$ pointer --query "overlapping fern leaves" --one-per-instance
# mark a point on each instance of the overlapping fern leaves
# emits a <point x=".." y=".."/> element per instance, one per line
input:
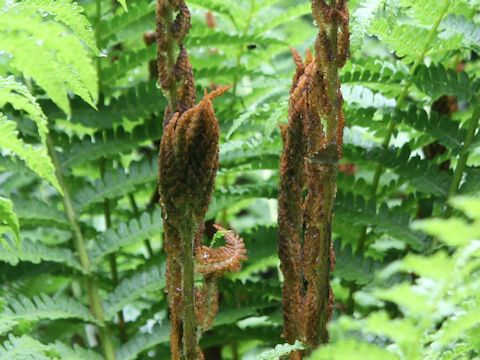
<point x="51" y="69"/>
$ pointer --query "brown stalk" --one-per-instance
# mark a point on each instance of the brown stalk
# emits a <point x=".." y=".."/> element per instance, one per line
<point x="313" y="141"/>
<point x="188" y="162"/>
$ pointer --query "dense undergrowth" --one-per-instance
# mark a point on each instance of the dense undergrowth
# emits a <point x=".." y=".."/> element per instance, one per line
<point x="80" y="124"/>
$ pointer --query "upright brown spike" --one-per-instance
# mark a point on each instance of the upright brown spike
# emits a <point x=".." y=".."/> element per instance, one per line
<point x="188" y="162"/>
<point x="312" y="147"/>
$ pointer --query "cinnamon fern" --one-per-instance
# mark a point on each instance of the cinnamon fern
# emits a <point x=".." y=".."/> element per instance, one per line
<point x="107" y="252"/>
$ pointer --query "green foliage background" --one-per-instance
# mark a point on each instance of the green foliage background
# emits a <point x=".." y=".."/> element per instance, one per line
<point x="80" y="124"/>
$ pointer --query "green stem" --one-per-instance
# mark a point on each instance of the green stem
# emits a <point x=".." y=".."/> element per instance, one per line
<point x="462" y="160"/>
<point x="98" y="20"/>
<point x="392" y="125"/>
<point x="242" y="47"/>
<point x="189" y="321"/>
<point x="113" y="257"/>
<point x="79" y="243"/>
<point x="136" y="213"/>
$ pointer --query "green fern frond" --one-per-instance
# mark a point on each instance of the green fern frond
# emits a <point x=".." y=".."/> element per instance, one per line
<point x="133" y="104"/>
<point x="250" y="154"/>
<point x="33" y="212"/>
<point x="344" y="348"/>
<point x="436" y="80"/>
<point x="112" y="26"/>
<point x="363" y="15"/>
<point x="364" y="117"/>
<point x="424" y="175"/>
<point x="36" y="252"/>
<point x="111" y="142"/>
<point x="407" y="41"/>
<point x="291" y="13"/>
<point x="36" y="158"/>
<point x="440" y="127"/>
<point x="458" y="25"/>
<point x="224" y="197"/>
<point x="424" y="11"/>
<point x="281" y="351"/>
<point x="18" y="95"/>
<point x="219" y="6"/>
<point x="124" y="4"/>
<point x="74" y="353"/>
<point x="24" y="348"/>
<point x="9" y="218"/>
<point x="126" y="62"/>
<point x="256" y="109"/>
<point x="66" y="11"/>
<point x="352" y="266"/>
<point x="228" y="72"/>
<point x="145" y="227"/>
<point x="142" y="341"/>
<point x="471" y="186"/>
<point x="359" y="186"/>
<point x="362" y="96"/>
<point x="56" y="61"/>
<point x="392" y="221"/>
<point x="377" y="74"/>
<point x="217" y="38"/>
<point x="27" y="348"/>
<point x="45" y="307"/>
<point x="130" y="289"/>
<point x="117" y="183"/>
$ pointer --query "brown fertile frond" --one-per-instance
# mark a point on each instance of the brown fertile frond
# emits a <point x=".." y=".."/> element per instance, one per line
<point x="292" y="184"/>
<point x="312" y="146"/>
<point x="184" y="75"/>
<point x="182" y="24"/>
<point x="217" y="261"/>
<point x="175" y="72"/>
<point x="206" y="304"/>
<point x="297" y="58"/>
<point x="189" y="158"/>
<point x="331" y="49"/>
<point x="188" y="162"/>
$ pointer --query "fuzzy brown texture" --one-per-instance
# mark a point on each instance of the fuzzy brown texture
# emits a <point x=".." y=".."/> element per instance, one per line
<point x="188" y="162"/>
<point x="173" y="21"/>
<point x="313" y="141"/>
<point x="217" y="261"/>
<point x="212" y="263"/>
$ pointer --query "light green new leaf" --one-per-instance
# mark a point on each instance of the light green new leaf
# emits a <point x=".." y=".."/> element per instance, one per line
<point x="36" y="158"/>
<point x="67" y="12"/>
<point x="280" y="351"/>
<point x="124" y="4"/>
<point x="56" y="60"/>
<point x="455" y="328"/>
<point x="470" y="206"/>
<point x="453" y="232"/>
<point x="18" y="95"/>
<point x="413" y="302"/>
<point x="352" y="349"/>
<point x="8" y="217"/>
<point x="361" y="19"/>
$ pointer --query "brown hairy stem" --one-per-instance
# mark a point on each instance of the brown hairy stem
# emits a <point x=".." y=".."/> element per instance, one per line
<point x="313" y="141"/>
<point x="188" y="162"/>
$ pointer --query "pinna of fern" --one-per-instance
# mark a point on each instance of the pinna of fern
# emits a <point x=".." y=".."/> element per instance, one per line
<point x="309" y="167"/>
<point x="188" y="162"/>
